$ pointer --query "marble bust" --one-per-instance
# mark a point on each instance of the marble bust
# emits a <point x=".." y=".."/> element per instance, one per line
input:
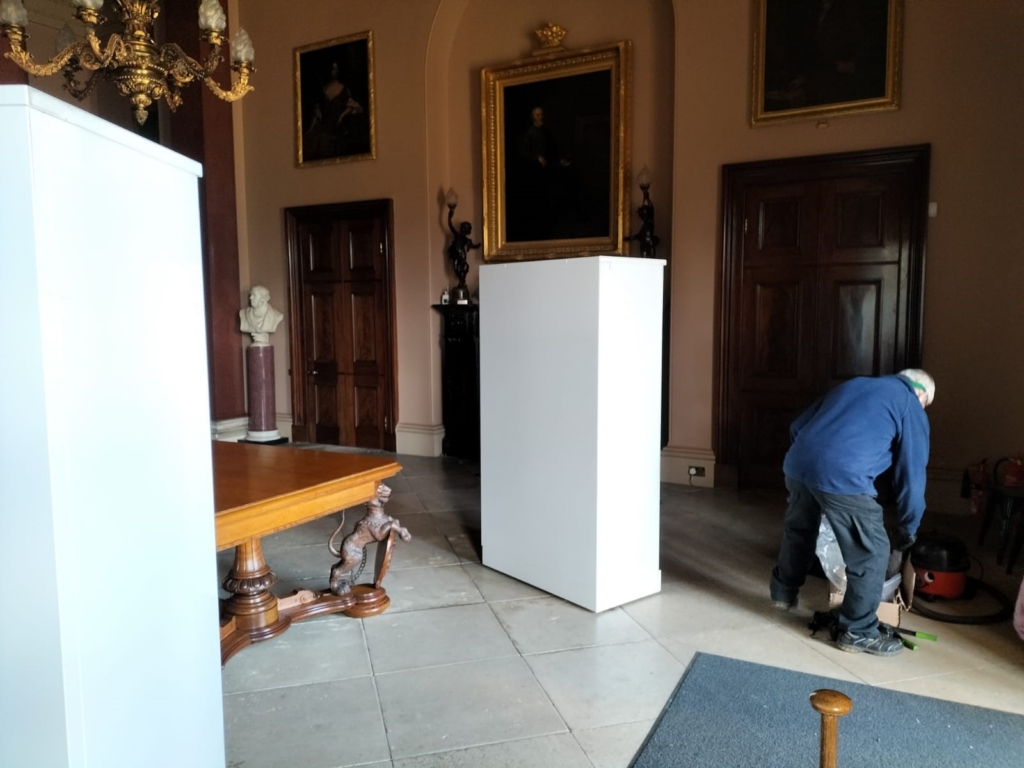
<point x="259" y="318"/>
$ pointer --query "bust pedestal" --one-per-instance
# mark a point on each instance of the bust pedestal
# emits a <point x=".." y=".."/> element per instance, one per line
<point x="259" y="359"/>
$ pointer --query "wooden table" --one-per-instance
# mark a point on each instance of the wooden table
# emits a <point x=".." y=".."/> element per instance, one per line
<point x="259" y="490"/>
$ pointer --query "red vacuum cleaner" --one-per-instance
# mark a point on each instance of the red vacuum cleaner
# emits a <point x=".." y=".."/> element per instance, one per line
<point x="941" y="563"/>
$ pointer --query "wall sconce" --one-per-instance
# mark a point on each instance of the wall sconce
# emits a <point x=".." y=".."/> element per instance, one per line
<point x="140" y="69"/>
<point x="646" y="237"/>
<point x="458" y="250"/>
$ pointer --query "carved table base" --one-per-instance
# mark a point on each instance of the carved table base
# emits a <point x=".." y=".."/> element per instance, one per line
<point x="364" y="600"/>
<point x="253" y="613"/>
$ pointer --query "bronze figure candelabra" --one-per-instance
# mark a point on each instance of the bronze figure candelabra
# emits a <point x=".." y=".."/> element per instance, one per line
<point x="459" y="249"/>
<point x="646" y="237"/>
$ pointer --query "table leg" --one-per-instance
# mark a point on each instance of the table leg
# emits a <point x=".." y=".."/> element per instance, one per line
<point x="252" y="613"/>
<point x="251" y="608"/>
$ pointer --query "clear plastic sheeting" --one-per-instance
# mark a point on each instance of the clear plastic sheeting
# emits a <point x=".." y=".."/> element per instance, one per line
<point x="831" y="557"/>
<point x="827" y="550"/>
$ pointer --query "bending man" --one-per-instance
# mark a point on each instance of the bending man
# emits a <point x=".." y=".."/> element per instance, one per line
<point x="840" y="445"/>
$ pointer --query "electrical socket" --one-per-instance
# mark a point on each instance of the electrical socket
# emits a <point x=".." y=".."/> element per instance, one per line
<point x="696" y="471"/>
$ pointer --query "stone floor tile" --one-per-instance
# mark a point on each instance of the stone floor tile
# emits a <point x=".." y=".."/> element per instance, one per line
<point x="613" y="746"/>
<point x="496" y="586"/>
<point x="399" y="641"/>
<point x="325" y="725"/>
<point x="549" y="623"/>
<point x="558" y="751"/>
<point x="308" y="652"/>
<point x="416" y="589"/>
<point x="447" y="708"/>
<point x="608" y="684"/>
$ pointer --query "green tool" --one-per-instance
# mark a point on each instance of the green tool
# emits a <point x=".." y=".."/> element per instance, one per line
<point x="921" y="635"/>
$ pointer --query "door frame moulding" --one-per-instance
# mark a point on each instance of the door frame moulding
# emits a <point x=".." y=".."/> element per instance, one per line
<point x="297" y="358"/>
<point x="737" y="176"/>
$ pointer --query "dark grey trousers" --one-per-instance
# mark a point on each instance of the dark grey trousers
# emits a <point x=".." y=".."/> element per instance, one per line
<point x="860" y="533"/>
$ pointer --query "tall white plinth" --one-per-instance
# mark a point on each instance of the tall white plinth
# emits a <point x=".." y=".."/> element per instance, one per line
<point x="109" y="654"/>
<point x="570" y="417"/>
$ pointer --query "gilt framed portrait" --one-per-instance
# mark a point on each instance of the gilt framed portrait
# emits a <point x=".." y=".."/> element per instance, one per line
<point x="556" y="154"/>
<point x="821" y="58"/>
<point x="334" y="101"/>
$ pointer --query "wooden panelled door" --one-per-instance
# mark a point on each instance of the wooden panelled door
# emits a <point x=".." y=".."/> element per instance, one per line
<point x="342" y="324"/>
<point x="822" y="277"/>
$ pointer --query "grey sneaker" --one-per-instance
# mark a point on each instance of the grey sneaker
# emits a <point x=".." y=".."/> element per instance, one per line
<point x="784" y="605"/>
<point x="883" y="645"/>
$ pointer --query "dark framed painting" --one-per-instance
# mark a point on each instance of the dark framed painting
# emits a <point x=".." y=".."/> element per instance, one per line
<point x="556" y="154"/>
<point x="334" y="101"/>
<point x="824" y="58"/>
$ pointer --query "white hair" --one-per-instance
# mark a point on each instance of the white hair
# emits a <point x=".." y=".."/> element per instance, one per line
<point x="923" y="380"/>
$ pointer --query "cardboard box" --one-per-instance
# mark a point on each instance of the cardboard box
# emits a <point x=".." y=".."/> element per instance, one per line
<point x="889" y="612"/>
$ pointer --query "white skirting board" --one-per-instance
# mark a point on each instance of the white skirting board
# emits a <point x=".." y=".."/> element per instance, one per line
<point x="570" y="401"/>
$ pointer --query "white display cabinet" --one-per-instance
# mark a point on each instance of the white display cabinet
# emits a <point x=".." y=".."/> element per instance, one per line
<point x="109" y="654"/>
<point x="570" y="413"/>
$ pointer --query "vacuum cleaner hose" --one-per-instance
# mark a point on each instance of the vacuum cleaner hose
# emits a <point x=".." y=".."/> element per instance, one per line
<point x="1004" y="612"/>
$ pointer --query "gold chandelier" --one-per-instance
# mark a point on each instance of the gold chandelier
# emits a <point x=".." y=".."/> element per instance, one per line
<point x="141" y="70"/>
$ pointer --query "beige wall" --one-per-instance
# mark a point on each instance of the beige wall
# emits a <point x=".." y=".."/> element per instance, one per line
<point x="963" y="68"/>
<point x="496" y="33"/>
<point x="272" y="182"/>
<point x="962" y="75"/>
<point x="428" y="57"/>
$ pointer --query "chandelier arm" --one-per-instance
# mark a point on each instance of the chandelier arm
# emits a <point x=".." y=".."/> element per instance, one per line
<point x="183" y="68"/>
<point x="80" y="92"/>
<point x="142" y="71"/>
<point x="96" y="58"/>
<point x="213" y="60"/>
<point x="23" y="58"/>
<point x="238" y="89"/>
<point x="173" y="98"/>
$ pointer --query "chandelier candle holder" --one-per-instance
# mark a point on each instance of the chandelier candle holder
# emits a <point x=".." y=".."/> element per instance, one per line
<point x="142" y="71"/>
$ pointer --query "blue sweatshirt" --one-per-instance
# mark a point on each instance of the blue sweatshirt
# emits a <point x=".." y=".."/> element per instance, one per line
<point x="856" y="432"/>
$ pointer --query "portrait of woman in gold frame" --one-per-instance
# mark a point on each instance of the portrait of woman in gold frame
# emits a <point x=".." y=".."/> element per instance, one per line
<point x="815" y="59"/>
<point x="335" y="101"/>
<point x="556" y="154"/>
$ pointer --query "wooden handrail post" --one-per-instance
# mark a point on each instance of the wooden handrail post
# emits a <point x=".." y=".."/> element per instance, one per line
<point x="832" y="705"/>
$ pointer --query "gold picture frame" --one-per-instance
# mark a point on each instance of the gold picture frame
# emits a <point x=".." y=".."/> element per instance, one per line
<point x="335" y="102"/>
<point x="814" y="60"/>
<point x="557" y="186"/>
